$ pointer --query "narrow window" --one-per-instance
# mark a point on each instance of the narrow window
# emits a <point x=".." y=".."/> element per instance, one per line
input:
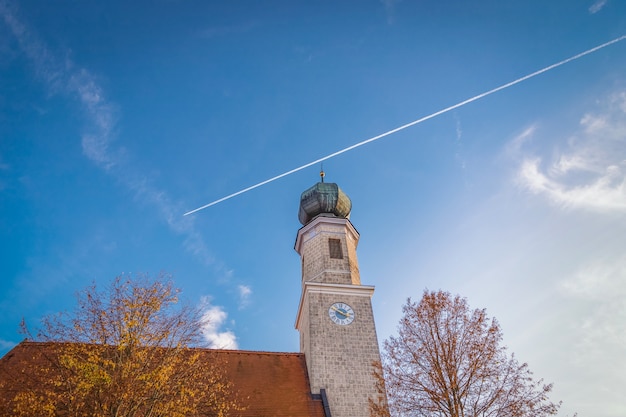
<point x="334" y="246"/>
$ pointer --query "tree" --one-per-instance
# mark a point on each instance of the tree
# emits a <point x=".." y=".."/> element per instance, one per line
<point x="447" y="361"/>
<point x="128" y="351"/>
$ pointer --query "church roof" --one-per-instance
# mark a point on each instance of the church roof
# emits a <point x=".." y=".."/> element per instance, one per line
<point x="267" y="383"/>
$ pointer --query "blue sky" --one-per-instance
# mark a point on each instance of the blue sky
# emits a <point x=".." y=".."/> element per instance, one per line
<point x="118" y="117"/>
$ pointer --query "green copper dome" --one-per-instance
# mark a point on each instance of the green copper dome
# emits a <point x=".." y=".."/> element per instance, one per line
<point x="323" y="198"/>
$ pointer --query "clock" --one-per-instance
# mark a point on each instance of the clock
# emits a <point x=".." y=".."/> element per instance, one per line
<point x="341" y="313"/>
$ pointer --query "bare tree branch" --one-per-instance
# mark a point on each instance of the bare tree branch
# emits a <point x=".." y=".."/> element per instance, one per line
<point x="447" y="361"/>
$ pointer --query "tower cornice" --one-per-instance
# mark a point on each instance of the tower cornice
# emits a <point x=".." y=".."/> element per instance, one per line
<point x="303" y="232"/>
<point x="335" y="289"/>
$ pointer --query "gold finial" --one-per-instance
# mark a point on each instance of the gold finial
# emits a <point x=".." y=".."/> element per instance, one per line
<point x="322" y="172"/>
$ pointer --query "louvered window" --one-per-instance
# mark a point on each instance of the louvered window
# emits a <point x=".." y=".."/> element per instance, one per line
<point x="334" y="246"/>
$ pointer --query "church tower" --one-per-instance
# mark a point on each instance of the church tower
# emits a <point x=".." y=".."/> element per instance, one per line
<point x="335" y="319"/>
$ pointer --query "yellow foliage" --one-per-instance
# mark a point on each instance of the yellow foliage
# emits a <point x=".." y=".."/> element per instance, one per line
<point x="127" y="352"/>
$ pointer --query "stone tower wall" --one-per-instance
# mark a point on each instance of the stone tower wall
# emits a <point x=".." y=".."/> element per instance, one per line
<point x="313" y="246"/>
<point x="339" y="357"/>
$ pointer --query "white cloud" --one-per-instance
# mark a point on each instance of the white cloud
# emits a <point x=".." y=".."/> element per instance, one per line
<point x="213" y="319"/>
<point x="607" y="192"/>
<point x="591" y="172"/>
<point x="597" y="6"/>
<point x="585" y="321"/>
<point x="244" y="295"/>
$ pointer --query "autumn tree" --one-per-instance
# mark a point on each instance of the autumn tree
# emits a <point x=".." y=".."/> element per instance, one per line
<point x="130" y="351"/>
<point x="448" y="361"/>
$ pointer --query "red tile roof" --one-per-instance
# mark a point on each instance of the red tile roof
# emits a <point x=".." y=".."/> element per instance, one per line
<point x="267" y="383"/>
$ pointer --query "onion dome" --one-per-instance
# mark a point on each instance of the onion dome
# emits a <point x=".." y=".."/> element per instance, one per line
<point x="324" y="199"/>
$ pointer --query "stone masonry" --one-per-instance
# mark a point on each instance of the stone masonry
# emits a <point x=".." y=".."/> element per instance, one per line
<point x="339" y="357"/>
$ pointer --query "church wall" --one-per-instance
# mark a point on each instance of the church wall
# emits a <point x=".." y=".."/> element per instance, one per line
<point x="316" y="257"/>
<point x="340" y="357"/>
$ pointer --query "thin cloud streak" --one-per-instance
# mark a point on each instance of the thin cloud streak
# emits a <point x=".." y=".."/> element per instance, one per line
<point x="390" y="9"/>
<point x="514" y="148"/>
<point x="245" y="292"/>
<point x="458" y="154"/>
<point x="47" y="67"/>
<point x="413" y="123"/>
<point x="597" y="6"/>
<point x="63" y="77"/>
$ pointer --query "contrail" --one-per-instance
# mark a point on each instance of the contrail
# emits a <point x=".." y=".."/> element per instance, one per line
<point x="423" y="119"/>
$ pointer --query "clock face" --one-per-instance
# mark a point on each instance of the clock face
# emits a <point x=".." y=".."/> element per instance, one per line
<point x="341" y="314"/>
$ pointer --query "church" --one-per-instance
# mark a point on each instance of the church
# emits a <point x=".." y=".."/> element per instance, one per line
<point x="333" y="374"/>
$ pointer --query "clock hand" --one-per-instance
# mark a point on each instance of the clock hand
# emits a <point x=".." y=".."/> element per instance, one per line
<point x="343" y="313"/>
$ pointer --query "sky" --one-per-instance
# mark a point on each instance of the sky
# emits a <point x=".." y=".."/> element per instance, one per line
<point x="118" y="117"/>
